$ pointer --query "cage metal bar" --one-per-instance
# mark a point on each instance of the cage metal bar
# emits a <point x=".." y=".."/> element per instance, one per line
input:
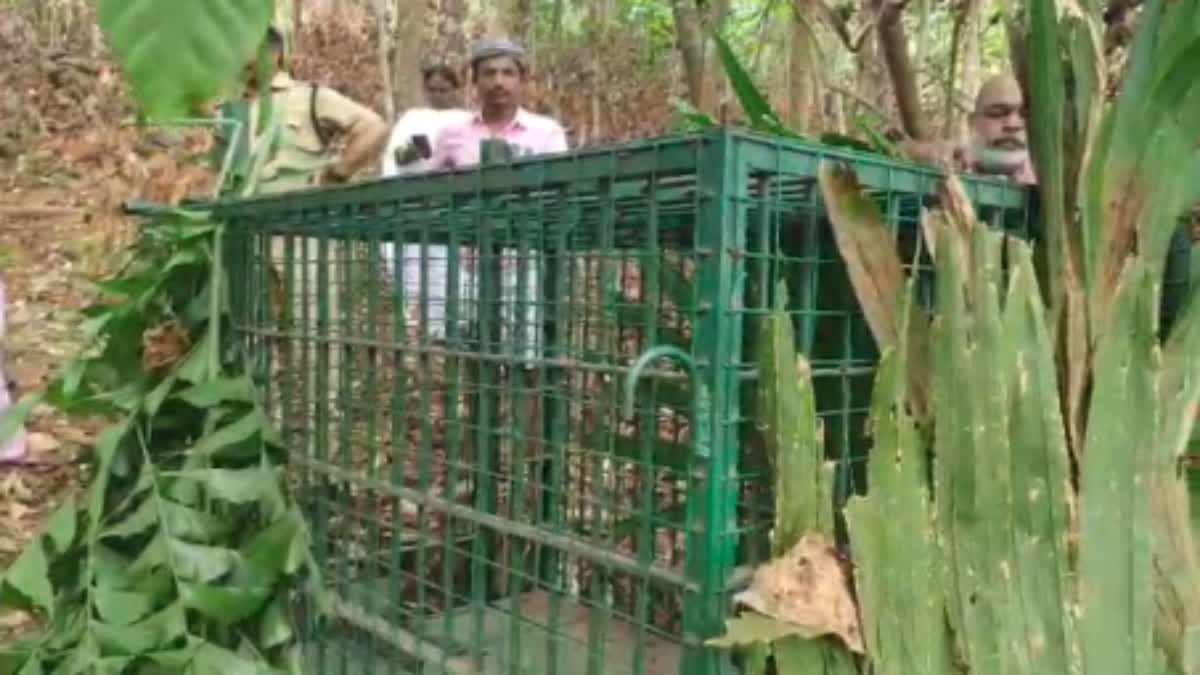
<point x="625" y="530"/>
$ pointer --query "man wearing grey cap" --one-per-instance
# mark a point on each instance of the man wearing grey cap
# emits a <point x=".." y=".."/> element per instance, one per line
<point x="499" y="71"/>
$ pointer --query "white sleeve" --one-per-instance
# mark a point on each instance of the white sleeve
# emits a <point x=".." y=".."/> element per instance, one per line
<point x="558" y="140"/>
<point x="397" y="140"/>
<point x="401" y="132"/>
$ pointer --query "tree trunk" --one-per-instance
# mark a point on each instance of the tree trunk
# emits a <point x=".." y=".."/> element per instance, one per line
<point x="521" y="21"/>
<point x="405" y="55"/>
<point x="556" y="22"/>
<point x="691" y="49"/>
<point x="383" y="20"/>
<point x="801" y="70"/>
<point x="449" y="34"/>
<point x="893" y="45"/>
<point x="971" y="60"/>
<point x="870" y="84"/>
<point x="713" y="21"/>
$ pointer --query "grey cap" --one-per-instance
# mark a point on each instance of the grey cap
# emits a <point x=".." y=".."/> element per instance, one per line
<point x="493" y="47"/>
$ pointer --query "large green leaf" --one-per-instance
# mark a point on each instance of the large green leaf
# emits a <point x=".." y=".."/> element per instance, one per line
<point x="762" y="116"/>
<point x="876" y="273"/>
<point x="213" y="660"/>
<point x="894" y="542"/>
<point x="180" y="55"/>
<point x="226" y="606"/>
<point x="154" y="632"/>
<point x="29" y="575"/>
<point x="121" y="608"/>
<point x="238" y="486"/>
<point x="787" y="416"/>
<point x="201" y="563"/>
<point x="62" y="526"/>
<point x="229" y="437"/>
<point x="1041" y="476"/>
<point x="752" y="628"/>
<point x="1118" y="469"/>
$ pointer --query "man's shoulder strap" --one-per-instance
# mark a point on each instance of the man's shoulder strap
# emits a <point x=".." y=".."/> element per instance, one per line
<point x="313" y="118"/>
<point x="312" y="114"/>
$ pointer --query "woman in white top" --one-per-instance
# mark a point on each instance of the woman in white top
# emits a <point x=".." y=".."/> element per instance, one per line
<point x="408" y="152"/>
<point x="441" y="86"/>
<point x="13" y="449"/>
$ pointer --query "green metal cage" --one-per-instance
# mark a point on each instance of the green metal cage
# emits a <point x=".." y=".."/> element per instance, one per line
<point x="479" y="501"/>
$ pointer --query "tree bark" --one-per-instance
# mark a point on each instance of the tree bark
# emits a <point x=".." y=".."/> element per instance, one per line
<point x="893" y="44"/>
<point x="520" y="22"/>
<point x="971" y="60"/>
<point x="386" y="57"/>
<point x="407" y="44"/>
<point x="691" y="49"/>
<point x="801" y="70"/>
<point x="870" y="85"/>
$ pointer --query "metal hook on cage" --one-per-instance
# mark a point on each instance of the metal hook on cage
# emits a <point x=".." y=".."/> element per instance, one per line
<point x="700" y="403"/>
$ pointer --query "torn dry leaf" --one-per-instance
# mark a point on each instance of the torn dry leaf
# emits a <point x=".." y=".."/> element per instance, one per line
<point x="807" y="587"/>
<point x="163" y="345"/>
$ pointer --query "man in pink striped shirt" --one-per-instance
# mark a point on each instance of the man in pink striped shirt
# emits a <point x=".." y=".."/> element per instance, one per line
<point x="499" y="72"/>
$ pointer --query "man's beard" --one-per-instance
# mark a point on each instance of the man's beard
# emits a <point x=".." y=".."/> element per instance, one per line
<point x="993" y="159"/>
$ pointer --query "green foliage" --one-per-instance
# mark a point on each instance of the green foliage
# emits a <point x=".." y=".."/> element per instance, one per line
<point x="803" y="486"/>
<point x="1115" y="178"/>
<point x="184" y="549"/>
<point x="762" y="118"/>
<point x="965" y="565"/>
<point x="178" y="58"/>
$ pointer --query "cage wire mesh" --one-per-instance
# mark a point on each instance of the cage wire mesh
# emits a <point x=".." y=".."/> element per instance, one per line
<point x="478" y="500"/>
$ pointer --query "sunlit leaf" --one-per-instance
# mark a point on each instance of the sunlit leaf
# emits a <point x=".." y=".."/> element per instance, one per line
<point x="121" y="608"/>
<point x="14" y="417"/>
<point x="230" y="435"/>
<point x="192" y="524"/>
<point x="213" y="660"/>
<point x="208" y="394"/>
<point x="226" y="606"/>
<point x="154" y="632"/>
<point x="153" y="555"/>
<point x="178" y="59"/>
<point x="201" y="563"/>
<point x="280" y="548"/>
<point x="762" y="116"/>
<point x="275" y="628"/>
<point x="136" y="522"/>
<point x="29" y="575"/>
<point x="32" y="667"/>
<point x="61" y="527"/>
<point x="751" y="628"/>
<point x="194" y="367"/>
<point x="239" y="486"/>
<point x="106" y="449"/>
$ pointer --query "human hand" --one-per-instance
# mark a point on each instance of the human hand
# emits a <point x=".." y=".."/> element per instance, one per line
<point x="332" y="176"/>
<point x="406" y="155"/>
<point x="939" y="153"/>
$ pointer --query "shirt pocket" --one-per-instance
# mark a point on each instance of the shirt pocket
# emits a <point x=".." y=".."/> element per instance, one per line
<point x="298" y="130"/>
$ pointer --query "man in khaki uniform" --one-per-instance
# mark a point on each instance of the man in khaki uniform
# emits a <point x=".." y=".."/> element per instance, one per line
<point x="292" y="150"/>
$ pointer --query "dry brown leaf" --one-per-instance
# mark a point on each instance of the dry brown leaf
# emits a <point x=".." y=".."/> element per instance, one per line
<point x="163" y="345"/>
<point x="807" y="587"/>
<point x="41" y="443"/>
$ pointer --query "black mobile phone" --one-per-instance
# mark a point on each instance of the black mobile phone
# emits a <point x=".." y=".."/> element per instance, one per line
<point x="421" y="143"/>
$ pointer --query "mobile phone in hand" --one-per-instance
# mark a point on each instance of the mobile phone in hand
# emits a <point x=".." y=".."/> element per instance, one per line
<point x="421" y="143"/>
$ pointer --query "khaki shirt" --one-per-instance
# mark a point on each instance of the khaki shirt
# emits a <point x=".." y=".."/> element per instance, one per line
<point x="299" y="156"/>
